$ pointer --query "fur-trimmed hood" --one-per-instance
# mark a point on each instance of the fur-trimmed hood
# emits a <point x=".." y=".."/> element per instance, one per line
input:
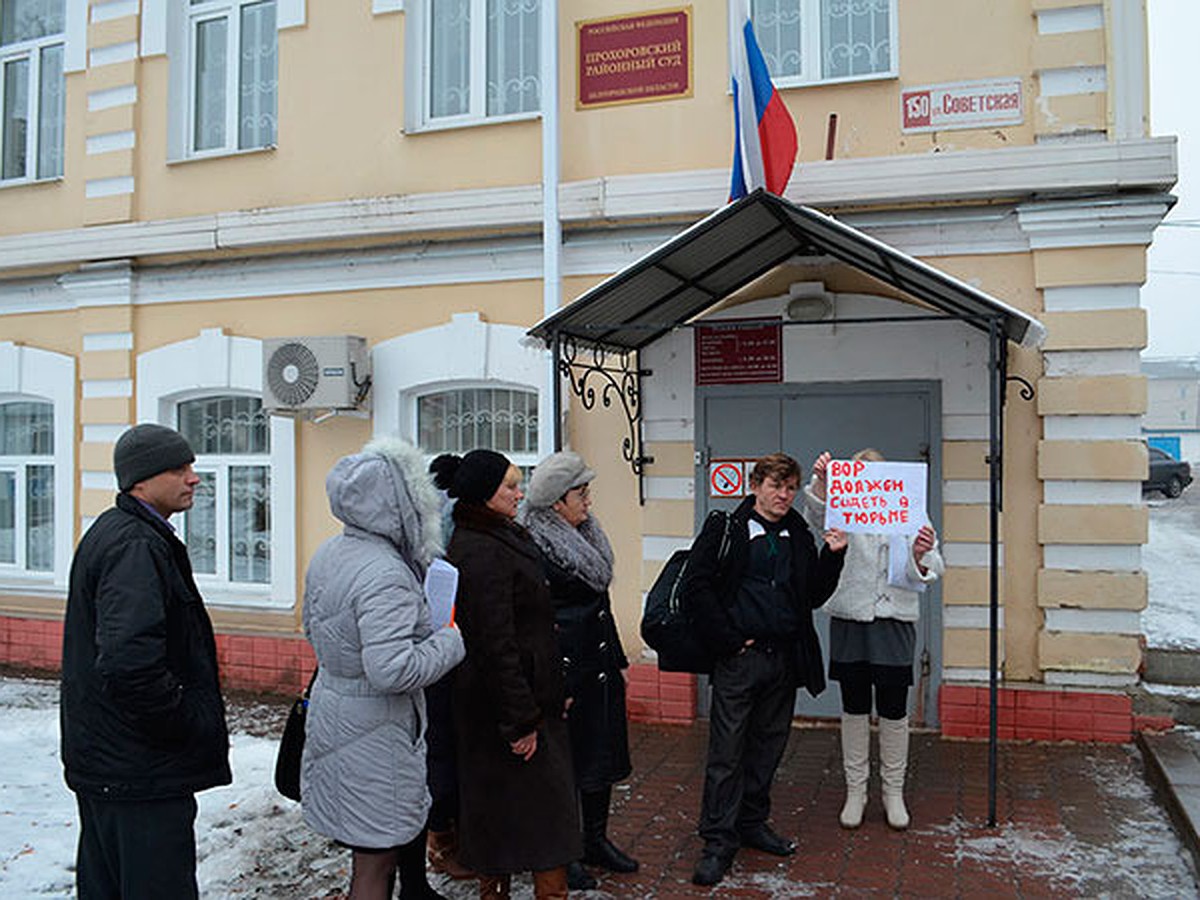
<point x="387" y="490"/>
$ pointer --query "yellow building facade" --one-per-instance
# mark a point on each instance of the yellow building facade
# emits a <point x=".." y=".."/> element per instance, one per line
<point x="186" y="183"/>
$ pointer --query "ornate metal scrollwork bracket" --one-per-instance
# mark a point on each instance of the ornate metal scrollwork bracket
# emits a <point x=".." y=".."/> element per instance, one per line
<point x="608" y="376"/>
<point x="1027" y="391"/>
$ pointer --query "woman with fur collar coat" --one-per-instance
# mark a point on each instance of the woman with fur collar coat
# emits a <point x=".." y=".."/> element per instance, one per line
<point x="579" y="564"/>
<point x="872" y="640"/>
<point x="363" y="777"/>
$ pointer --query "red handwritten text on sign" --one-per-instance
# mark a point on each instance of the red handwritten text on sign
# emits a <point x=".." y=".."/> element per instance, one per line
<point x="875" y="497"/>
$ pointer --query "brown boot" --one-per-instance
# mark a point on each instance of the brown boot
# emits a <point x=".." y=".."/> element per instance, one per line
<point x="550" y="884"/>
<point x="442" y="848"/>
<point x="495" y="887"/>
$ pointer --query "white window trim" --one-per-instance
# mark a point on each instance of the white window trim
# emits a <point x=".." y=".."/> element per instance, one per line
<point x="217" y="363"/>
<point x="812" y="51"/>
<point x="465" y="352"/>
<point x="27" y="373"/>
<point x="219" y="465"/>
<point x="166" y="29"/>
<point x="31" y="50"/>
<point x="416" y="76"/>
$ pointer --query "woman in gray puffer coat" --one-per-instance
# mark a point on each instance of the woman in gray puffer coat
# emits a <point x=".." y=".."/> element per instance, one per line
<point x="363" y="772"/>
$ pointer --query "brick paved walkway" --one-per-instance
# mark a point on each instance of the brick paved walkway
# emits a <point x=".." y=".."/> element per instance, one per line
<point x="1073" y="820"/>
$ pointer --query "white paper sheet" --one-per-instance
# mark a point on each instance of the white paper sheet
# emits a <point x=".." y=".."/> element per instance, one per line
<point x="441" y="589"/>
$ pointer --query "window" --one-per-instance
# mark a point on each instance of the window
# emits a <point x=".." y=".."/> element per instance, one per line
<point x="501" y="419"/>
<point x="27" y="486"/>
<point x="480" y="60"/>
<point x="233" y="75"/>
<point x="31" y="89"/>
<point x="464" y="384"/>
<point x="241" y="530"/>
<point x="806" y="41"/>
<point x="228" y="528"/>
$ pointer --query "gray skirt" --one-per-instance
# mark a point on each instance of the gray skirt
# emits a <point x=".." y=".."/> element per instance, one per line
<point x="881" y="650"/>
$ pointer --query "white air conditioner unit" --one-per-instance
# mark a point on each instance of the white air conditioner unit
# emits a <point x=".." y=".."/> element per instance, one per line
<point x="318" y="374"/>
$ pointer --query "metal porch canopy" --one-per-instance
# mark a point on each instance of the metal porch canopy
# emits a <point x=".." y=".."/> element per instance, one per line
<point x="724" y="252"/>
<point x="733" y="246"/>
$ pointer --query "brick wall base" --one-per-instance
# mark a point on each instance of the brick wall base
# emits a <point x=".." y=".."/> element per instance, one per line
<point x="1043" y="714"/>
<point x="663" y="697"/>
<point x="283" y="665"/>
<point x="276" y="665"/>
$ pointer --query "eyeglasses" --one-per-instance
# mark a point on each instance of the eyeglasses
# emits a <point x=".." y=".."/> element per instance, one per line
<point x="583" y="490"/>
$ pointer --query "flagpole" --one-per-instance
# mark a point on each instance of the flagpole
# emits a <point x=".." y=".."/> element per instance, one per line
<point x="549" y="401"/>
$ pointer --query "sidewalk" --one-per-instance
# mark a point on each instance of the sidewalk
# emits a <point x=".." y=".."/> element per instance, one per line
<point x="1074" y="820"/>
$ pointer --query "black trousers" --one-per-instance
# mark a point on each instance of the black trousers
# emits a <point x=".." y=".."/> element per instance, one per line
<point x="753" y="695"/>
<point x="136" y="849"/>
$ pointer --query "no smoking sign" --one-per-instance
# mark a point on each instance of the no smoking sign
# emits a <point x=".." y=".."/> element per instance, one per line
<point x="726" y="478"/>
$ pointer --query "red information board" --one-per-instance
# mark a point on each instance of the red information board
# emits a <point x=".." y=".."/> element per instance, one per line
<point x="632" y="59"/>
<point x="739" y="351"/>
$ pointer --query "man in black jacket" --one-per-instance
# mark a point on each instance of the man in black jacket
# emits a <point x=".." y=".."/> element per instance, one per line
<point x="143" y="721"/>
<point x="753" y="606"/>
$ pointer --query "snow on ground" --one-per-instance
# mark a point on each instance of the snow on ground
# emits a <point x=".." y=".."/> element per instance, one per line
<point x="1171" y="558"/>
<point x="252" y="842"/>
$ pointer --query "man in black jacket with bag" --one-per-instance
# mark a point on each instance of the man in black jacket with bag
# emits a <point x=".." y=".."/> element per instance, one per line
<point x="753" y="608"/>
<point x="143" y="721"/>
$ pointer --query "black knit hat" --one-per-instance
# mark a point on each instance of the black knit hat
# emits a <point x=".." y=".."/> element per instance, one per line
<point x="145" y="450"/>
<point x="474" y="477"/>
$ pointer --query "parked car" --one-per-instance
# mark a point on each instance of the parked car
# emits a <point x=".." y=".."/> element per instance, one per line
<point x="1167" y="474"/>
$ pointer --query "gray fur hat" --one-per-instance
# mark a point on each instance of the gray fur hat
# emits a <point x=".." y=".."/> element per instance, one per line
<point x="145" y="450"/>
<point x="554" y="476"/>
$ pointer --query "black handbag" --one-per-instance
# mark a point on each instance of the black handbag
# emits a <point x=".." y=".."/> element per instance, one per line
<point x="666" y="626"/>
<point x="291" y="746"/>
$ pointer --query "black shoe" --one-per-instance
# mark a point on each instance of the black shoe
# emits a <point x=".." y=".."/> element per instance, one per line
<point x="763" y="837"/>
<point x="579" y="878"/>
<point x="607" y="855"/>
<point x="710" y="869"/>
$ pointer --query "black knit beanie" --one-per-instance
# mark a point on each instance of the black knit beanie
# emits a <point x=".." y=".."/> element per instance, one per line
<point x="145" y="450"/>
<point x="474" y="477"/>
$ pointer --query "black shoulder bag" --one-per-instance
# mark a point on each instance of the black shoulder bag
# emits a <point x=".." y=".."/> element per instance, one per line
<point x="666" y="626"/>
<point x="291" y="746"/>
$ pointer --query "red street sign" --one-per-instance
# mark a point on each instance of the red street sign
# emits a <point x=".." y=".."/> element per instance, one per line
<point x="739" y="351"/>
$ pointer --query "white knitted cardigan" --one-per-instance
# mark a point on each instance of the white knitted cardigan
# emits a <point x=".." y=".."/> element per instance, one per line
<point x="864" y="592"/>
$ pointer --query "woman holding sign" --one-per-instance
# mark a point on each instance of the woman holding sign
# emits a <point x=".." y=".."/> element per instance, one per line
<point x="579" y="564"/>
<point x="516" y="788"/>
<point x="872" y="639"/>
<point x="377" y="646"/>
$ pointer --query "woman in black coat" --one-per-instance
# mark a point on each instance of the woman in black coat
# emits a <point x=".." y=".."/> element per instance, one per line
<point x="579" y="564"/>
<point x="516" y="786"/>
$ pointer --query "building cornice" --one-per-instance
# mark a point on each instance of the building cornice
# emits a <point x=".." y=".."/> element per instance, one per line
<point x="1010" y="174"/>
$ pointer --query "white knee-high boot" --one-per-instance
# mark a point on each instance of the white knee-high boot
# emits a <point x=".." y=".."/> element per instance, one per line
<point x="893" y="760"/>
<point x="856" y="748"/>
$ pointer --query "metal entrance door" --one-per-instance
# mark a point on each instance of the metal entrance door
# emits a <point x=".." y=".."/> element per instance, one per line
<point x="900" y="419"/>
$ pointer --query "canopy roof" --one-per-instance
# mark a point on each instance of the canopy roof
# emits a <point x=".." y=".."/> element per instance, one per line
<point x="737" y="244"/>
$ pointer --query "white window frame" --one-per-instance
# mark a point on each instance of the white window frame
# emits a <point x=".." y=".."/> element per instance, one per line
<point x="417" y="75"/>
<point x="215" y="363"/>
<point x="219" y="464"/>
<point x="31" y="374"/>
<point x="466" y="352"/>
<point x="212" y="11"/>
<point x="31" y="50"/>
<point x="165" y="30"/>
<point x="811" y="55"/>
<point x="17" y="467"/>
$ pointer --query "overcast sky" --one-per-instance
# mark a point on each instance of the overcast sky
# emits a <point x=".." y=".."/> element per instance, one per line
<point x="1172" y="291"/>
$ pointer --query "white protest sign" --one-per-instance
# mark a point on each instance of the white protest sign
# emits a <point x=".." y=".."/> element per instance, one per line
<point x="875" y="497"/>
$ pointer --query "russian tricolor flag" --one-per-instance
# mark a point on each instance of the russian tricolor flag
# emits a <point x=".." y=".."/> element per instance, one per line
<point x="764" y="135"/>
